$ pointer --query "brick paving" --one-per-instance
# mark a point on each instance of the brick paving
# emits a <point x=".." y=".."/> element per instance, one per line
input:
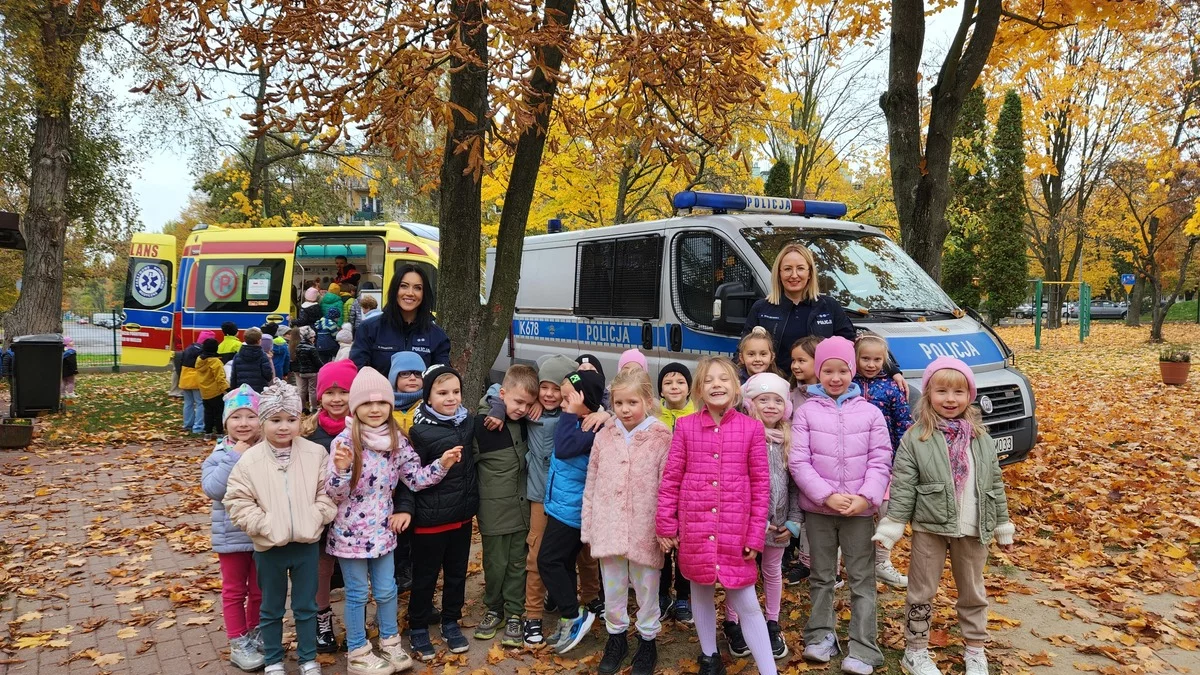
<point x="111" y="547"/>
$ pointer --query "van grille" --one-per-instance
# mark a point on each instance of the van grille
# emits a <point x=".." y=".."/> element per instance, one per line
<point x="1006" y="403"/>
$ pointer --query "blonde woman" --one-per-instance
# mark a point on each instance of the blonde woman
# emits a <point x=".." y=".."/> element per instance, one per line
<point x="794" y="308"/>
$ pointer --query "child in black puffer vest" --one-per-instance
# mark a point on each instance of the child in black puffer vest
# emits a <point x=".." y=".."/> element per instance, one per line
<point x="441" y="514"/>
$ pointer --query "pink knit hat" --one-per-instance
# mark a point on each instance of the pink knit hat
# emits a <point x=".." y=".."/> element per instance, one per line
<point x="835" y="348"/>
<point x="205" y="335"/>
<point x="949" y="363"/>
<point x="311" y="295"/>
<point x="335" y="374"/>
<point x="369" y="386"/>
<point x="632" y="356"/>
<point x="767" y="383"/>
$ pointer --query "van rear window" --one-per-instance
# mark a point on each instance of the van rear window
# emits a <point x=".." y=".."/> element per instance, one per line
<point x="239" y="285"/>
<point x="619" y="278"/>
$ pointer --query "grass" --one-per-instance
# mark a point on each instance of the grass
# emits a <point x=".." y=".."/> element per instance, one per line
<point x="1184" y="311"/>
<point x="115" y="408"/>
<point x="94" y="360"/>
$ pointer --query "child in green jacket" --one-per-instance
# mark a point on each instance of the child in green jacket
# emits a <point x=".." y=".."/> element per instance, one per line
<point x="946" y="481"/>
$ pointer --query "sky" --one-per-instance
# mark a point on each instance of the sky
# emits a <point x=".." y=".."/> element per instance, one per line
<point x="164" y="180"/>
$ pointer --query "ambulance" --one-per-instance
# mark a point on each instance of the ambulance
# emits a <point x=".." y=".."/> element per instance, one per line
<point x="251" y="277"/>
<point x="680" y="289"/>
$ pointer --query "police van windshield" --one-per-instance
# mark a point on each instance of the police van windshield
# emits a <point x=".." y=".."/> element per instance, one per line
<point x="861" y="271"/>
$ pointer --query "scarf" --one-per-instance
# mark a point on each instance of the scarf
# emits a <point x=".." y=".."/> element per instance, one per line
<point x="958" y="441"/>
<point x="456" y="419"/>
<point x="403" y="400"/>
<point x="774" y="436"/>
<point x="376" y="438"/>
<point x="332" y="426"/>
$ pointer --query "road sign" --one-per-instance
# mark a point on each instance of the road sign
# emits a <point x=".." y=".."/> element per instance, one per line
<point x="1127" y="282"/>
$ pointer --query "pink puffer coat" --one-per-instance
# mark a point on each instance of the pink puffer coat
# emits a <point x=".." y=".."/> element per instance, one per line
<point x="620" y="499"/>
<point x="840" y="449"/>
<point x="714" y="495"/>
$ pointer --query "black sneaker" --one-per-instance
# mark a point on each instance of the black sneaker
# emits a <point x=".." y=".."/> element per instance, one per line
<point x="737" y="644"/>
<point x="533" y="632"/>
<point x="326" y="640"/>
<point x="403" y="578"/>
<point x="711" y="665"/>
<point x="683" y="611"/>
<point x="779" y="648"/>
<point x="596" y="607"/>
<point x="614" y="653"/>
<point x="646" y="658"/>
<point x="421" y="646"/>
<point x="797" y="573"/>
<point x="664" y="607"/>
<point x="549" y="605"/>
<point x="456" y="642"/>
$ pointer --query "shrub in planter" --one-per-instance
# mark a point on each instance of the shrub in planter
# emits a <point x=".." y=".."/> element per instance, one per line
<point x="1174" y="362"/>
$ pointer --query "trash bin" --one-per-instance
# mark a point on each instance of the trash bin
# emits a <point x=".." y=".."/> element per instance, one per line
<point x="36" y="374"/>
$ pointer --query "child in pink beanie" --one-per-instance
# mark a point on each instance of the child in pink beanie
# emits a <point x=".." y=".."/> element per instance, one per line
<point x="632" y="356"/>
<point x="949" y="449"/>
<point x="841" y="461"/>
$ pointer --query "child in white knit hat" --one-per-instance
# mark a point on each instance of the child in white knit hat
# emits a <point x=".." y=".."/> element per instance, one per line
<point x="276" y="495"/>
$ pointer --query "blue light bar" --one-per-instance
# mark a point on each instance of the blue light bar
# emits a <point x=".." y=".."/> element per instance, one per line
<point x="724" y="202"/>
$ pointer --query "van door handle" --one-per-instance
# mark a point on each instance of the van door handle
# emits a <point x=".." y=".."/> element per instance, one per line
<point x="647" y="336"/>
<point x="675" y="338"/>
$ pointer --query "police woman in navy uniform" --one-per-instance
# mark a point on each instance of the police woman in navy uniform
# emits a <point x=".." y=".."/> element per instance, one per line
<point x="795" y="309"/>
<point x="405" y="324"/>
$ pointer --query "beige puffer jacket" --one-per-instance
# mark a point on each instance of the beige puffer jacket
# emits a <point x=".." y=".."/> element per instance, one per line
<point x="276" y="504"/>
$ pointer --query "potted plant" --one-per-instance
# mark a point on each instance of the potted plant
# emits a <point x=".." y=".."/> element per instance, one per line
<point x="16" y="432"/>
<point x="1174" y="362"/>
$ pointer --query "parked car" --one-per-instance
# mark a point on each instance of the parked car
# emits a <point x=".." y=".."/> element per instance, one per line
<point x="82" y="321"/>
<point x="1025" y="311"/>
<point x="1103" y="309"/>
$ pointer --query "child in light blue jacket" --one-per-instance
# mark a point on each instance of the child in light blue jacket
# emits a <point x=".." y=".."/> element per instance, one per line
<point x="240" y="596"/>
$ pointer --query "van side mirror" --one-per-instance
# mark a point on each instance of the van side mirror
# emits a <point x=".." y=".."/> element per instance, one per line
<point x="731" y="306"/>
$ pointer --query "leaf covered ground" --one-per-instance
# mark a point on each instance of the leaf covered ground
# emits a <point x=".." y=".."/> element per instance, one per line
<point x="105" y="563"/>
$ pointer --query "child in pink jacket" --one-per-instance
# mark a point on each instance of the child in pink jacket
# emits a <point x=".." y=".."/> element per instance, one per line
<point x="841" y="460"/>
<point x="620" y="500"/>
<point x="712" y="505"/>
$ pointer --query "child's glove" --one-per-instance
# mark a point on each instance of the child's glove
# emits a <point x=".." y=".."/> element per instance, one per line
<point x="888" y="532"/>
<point x="793" y="527"/>
<point x="1004" y="534"/>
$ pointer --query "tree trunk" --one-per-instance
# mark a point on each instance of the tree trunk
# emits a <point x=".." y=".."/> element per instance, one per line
<point x="1160" y="308"/>
<point x="39" y="307"/>
<point x="476" y="331"/>
<point x="1134" y="317"/>
<point x="460" y="214"/>
<point x="920" y="176"/>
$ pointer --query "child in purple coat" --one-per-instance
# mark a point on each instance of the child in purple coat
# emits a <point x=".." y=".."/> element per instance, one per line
<point x="871" y="352"/>
<point x="841" y="461"/>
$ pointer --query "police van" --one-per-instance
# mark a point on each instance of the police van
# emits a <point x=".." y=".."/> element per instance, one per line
<point x="680" y="289"/>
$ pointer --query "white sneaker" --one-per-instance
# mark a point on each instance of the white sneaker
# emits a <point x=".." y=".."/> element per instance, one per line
<point x="888" y="574"/>
<point x="976" y="663"/>
<point x="856" y="667"/>
<point x="822" y="651"/>
<point x="310" y="668"/>
<point x="919" y="663"/>
<point x="393" y="651"/>
<point x="364" y="661"/>
<point x="243" y="655"/>
<point x="274" y="669"/>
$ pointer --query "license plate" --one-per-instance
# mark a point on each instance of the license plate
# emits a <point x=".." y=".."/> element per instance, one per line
<point x="1004" y="444"/>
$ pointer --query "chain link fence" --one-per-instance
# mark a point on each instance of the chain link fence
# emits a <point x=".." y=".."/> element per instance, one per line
<point x="96" y="332"/>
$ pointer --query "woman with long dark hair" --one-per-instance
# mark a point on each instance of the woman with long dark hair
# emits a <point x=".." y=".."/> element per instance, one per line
<point x="405" y="324"/>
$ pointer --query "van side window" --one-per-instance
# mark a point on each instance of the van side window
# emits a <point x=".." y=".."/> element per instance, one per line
<point x="239" y="285"/>
<point x="703" y="261"/>
<point x="619" y="278"/>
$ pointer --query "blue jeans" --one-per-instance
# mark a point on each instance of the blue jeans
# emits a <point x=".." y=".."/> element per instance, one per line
<point x="193" y="411"/>
<point x="382" y="571"/>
